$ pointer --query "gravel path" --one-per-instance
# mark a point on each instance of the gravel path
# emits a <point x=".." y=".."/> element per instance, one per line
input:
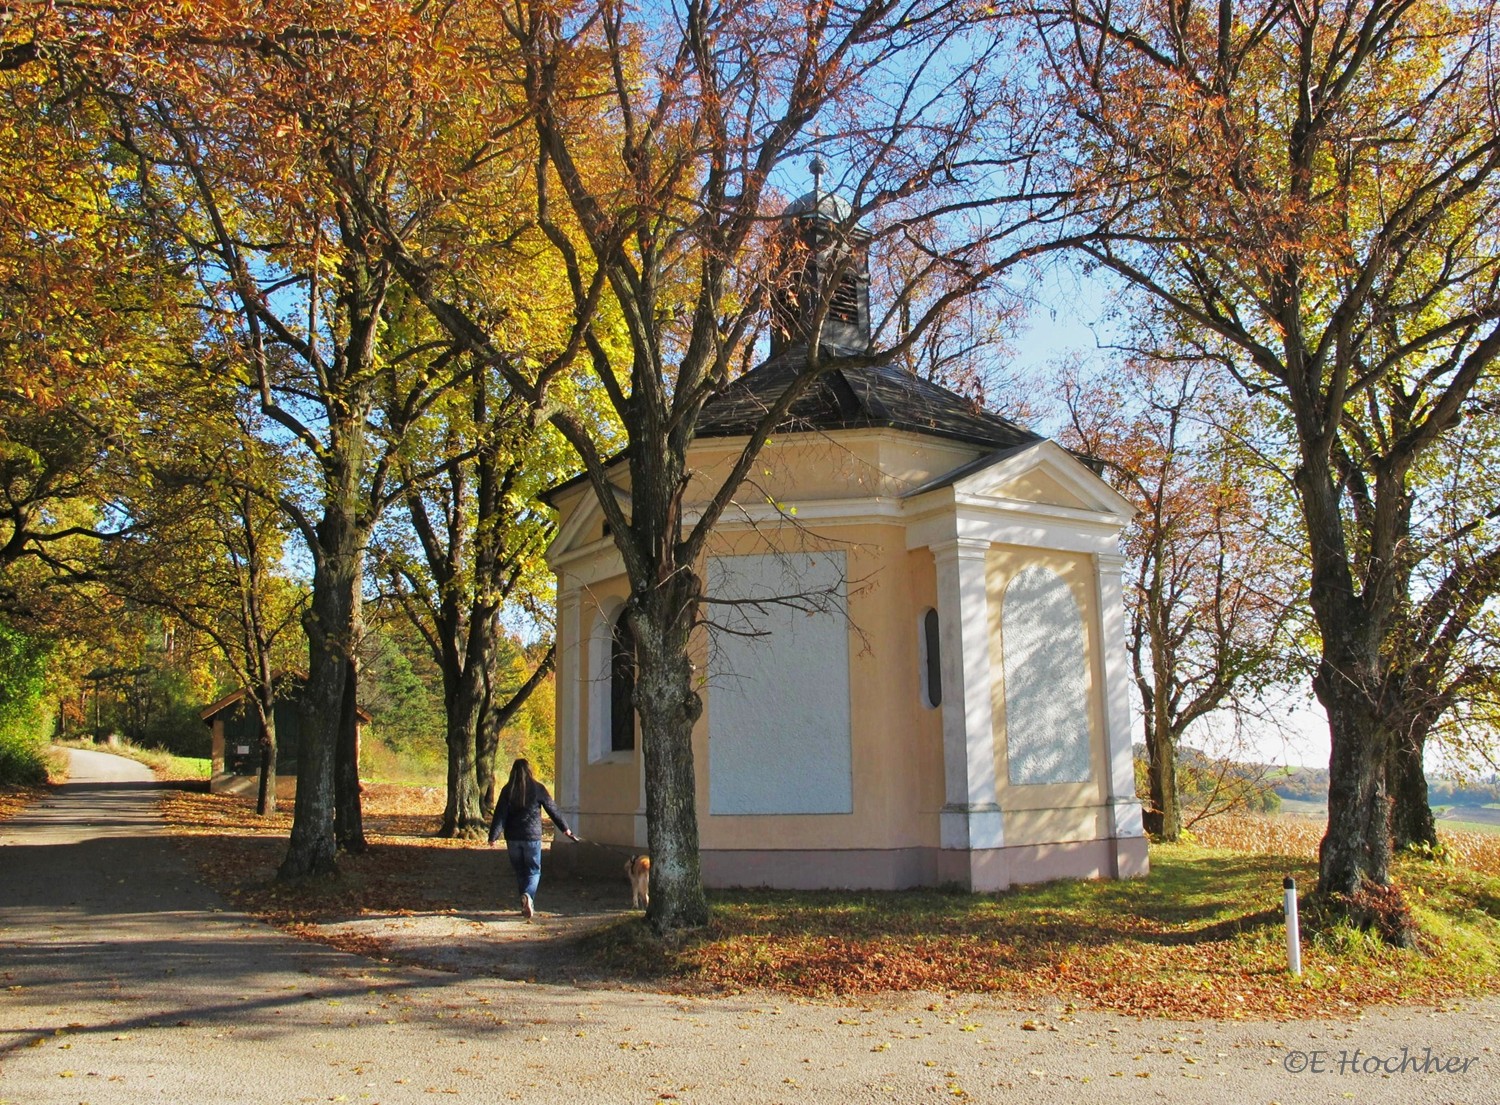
<point x="127" y="982"/>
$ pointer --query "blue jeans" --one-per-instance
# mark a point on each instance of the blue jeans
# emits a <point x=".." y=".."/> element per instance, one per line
<point x="526" y="862"/>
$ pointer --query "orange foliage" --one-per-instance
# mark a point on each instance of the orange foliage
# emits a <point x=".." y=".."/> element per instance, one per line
<point x="1300" y="836"/>
<point x="15" y="799"/>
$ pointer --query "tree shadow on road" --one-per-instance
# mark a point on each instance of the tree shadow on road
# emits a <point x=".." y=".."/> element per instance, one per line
<point x="412" y="898"/>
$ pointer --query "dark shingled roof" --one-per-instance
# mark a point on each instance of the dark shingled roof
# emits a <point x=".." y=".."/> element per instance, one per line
<point x="847" y="397"/>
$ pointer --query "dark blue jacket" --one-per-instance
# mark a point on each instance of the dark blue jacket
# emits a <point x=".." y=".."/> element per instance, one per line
<point x="523" y="820"/>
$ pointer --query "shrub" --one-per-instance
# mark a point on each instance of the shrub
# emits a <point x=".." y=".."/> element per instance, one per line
<point x="23" y="762"/>
<point x="1438" y="853"/>
<point x="23" y="741"/>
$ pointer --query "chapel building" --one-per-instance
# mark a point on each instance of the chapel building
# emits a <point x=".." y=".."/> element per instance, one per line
<point x="921" y="679"/>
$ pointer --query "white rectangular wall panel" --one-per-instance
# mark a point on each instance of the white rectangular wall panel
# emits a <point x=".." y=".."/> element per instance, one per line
<point x="1046" y="680"/>
<point x="778" y="701"/>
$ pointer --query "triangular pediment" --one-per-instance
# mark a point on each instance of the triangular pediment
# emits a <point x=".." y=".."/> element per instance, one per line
<point x="1042" y="473"/>
<point x="1041" y="486"/>
<point x="583" y="525"/>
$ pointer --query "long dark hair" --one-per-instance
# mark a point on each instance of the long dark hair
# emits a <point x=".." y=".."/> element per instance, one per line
<point x="520" y="783"/>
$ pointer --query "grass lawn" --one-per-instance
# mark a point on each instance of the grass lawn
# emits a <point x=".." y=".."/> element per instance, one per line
<point x="1202" y="936"/>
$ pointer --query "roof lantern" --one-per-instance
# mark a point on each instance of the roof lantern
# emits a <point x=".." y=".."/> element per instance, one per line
<point x="820" y="202"/>
<point x="828" y="258"/>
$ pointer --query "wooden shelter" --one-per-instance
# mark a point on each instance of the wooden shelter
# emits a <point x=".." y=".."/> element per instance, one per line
<point x="235" y="740"/>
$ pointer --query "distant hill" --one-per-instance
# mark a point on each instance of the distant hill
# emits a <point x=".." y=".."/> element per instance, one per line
<point x="1310" y="784"/>
<point x="1302" y="784"/>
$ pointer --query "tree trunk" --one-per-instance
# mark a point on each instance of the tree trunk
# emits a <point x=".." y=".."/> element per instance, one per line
<point x="668" y="707"/>
<point x="265" y="800"/>
<point x="1166" y="811"/>
<point x="462" y="816"/>
<point x="313" y="846"/>
<point x="486" y="748"/>
<point x="349" y="824"/>
<point x="1412" y="824"/>
<point x="329" y="621"/>
<point x="1351" y="623"/>
<point x="465" y="677"/>
<point x="1357" y="845"/>
<point x="265" y="705"/>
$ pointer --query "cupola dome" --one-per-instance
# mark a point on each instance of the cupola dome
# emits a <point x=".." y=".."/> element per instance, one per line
<point x="829" y="206"/>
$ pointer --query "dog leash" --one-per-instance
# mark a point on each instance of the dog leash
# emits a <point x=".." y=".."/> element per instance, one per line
<point x="605" y="847"/>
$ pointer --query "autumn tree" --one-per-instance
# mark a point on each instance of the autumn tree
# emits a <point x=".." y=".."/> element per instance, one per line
<point x="657" y="144"/>
<point x="1211" y="585"/>
<point x="469" y="547"/>
<point x="1312" y="188"/>
<point x="231" y="116"/>
<point x="90" y="331"/>
<point x="87" y="319"/>
<point x="263" y="610"/>
<point x="1445" y="648"/>
<point x="316" y="384"/>
<point x="206" y="549"/>
<point x="429" y="106"/>
<point x="96" y="348"/>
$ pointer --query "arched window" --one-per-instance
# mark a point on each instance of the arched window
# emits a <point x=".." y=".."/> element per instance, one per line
<point x="622" y="686"/>
<point x="932" y="662"/>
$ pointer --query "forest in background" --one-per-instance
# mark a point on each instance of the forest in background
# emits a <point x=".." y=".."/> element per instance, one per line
<point x="153" y="696"/>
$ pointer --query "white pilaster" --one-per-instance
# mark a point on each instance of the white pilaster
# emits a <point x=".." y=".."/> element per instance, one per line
<point x="971" y="818"/>
<point x="569" y="737"/>
<point x="1125" y="808"/>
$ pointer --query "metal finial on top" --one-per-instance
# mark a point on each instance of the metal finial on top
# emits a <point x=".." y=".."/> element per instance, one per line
<point x="817" y="167"/>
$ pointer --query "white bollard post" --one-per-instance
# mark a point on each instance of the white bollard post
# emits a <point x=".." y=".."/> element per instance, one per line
<point x="1293" y="930"/>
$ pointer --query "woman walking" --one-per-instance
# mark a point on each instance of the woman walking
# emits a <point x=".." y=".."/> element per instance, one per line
<point x="518" y="814"/>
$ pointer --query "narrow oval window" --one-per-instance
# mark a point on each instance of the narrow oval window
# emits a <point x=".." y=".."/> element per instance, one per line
<point x="932" y="662"/>
<point x="622" y="687"/>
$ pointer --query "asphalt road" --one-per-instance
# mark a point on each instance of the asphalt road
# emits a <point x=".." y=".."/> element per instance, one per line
<point x="123" y="981"/>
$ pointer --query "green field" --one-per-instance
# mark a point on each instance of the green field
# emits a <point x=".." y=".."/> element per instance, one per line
<point x="1479" y="819"/>
<point x="1474" y="819"/>
<point x="1304" y="808"/>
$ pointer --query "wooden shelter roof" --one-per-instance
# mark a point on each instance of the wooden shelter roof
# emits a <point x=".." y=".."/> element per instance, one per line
<point x="219" y="706"/>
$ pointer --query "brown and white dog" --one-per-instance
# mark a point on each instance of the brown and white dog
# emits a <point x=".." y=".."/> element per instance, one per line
<point x="639" y="870"/>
